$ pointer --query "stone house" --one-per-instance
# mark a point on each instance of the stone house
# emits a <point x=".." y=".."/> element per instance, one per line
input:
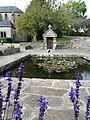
<point x="7" y="28"/>
<point x="49" y="38"/>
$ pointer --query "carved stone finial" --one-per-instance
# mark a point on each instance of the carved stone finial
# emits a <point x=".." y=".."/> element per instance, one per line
<point x="49" y="26"/>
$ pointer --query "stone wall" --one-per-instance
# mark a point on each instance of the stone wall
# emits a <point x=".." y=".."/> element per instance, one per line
<point x="80" y="43"/>
<point x="9" y="51"/>
<point x="13" y="63"/>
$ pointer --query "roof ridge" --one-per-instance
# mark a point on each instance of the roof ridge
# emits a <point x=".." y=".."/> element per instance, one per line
<point x="9" y="9"/>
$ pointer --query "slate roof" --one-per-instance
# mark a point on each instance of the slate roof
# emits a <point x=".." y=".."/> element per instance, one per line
<point x="6" y="23"/>
<point x="9" y="9"/>
<point x="49" y="33"/>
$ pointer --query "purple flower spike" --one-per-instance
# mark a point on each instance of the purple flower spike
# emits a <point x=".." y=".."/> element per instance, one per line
<point x="88" y="108"/>
<point x="17" y="112"/>
<point x="74" y="97"/>
<point x="20" y="68"/>
<point x="1" y="101"/>
<point x="77" y="82"/>
<point x="17" y="91"/>
<point x="9" y="103"/>
<point x="8" y="76"/>
<point x="7" y="98"/>
<point x="1" y="76"/>
<point x="43" y="105"/>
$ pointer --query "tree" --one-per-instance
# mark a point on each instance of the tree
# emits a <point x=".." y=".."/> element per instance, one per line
<point x="39" y="14"/>
<point x="76" y="8"/>
<point x="34" y="19"/>
<point x="80" y="24"/>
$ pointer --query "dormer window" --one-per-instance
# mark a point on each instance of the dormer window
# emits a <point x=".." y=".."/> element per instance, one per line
<point x="12" y="14"/>
<point x="13" y="17"/>
<point x="18" y="14"/>
<point x="6" y="17"/>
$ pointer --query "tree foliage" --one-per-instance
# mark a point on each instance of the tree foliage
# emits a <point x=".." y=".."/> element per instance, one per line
<point x="40" y="13"/>
<point x="76" y="8"/>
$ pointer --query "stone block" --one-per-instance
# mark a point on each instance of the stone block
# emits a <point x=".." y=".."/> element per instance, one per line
<point x="28" y="47"/>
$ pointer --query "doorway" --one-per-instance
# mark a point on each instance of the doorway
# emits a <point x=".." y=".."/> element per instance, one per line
<point x="49" y="43"/>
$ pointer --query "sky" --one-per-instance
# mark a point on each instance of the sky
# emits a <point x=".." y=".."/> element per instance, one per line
<point x="22" y="4"/>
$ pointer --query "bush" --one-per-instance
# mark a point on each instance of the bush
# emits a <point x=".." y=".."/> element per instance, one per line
<point x="7" y="40"/>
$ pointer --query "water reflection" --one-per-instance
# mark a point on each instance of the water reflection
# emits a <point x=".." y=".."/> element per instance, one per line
<point x="32" y="71"/>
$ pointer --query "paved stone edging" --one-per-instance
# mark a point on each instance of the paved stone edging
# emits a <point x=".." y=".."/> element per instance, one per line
<point x="13" y="63"/>
<point x="56" y="91"/>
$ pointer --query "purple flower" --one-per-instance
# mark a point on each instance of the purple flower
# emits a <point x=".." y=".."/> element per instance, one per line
<point x="17" y="112"/>
<point x="1" y="76"/>
<point x="1" y="101"/>
<point x="17" y="91"/>
<point x="42" y="106"/>
<point x="9" y="103"/>
<point x="88" y="108"/>
<point x="77" y="82"/>
<point x="20" y="68"/>
<point x="8" y="79"/>
<point x="17" y="94"/>
<point x="74" y="97"/>
<point x="8" y="76"/>
<point x="20" y="71"/>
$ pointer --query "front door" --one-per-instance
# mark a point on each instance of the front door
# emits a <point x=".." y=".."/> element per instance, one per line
<point x="49" y="43"/>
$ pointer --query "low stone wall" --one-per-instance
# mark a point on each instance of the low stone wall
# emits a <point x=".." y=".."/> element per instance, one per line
<point x="80" y="43"/>
<point x="9" y="51"/>
<point x="13" y="63"/>
<point x="62" y="46"/>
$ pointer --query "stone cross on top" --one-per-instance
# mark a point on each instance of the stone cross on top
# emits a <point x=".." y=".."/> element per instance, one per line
<point x="49" y="26"/>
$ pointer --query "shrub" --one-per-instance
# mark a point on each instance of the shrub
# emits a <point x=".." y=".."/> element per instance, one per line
<point x="7" y="40"/>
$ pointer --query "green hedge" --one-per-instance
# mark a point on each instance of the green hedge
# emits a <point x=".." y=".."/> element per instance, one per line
<point x="7" y="40"/>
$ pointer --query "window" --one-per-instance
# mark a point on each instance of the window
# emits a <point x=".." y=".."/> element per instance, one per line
<point x="18" y="14"/>
<point x="13" y="17"/>
<point x="6" y="17"/>
<point x="4" y="34"/>
<point x="12" y="14"/>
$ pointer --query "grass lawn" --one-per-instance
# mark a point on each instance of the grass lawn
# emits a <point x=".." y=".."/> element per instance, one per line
<point x="63" y="39"/>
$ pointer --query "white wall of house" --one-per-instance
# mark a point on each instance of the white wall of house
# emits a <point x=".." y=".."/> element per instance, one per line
<point x="10" y="16"/>
<point x="9" y="31"/>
